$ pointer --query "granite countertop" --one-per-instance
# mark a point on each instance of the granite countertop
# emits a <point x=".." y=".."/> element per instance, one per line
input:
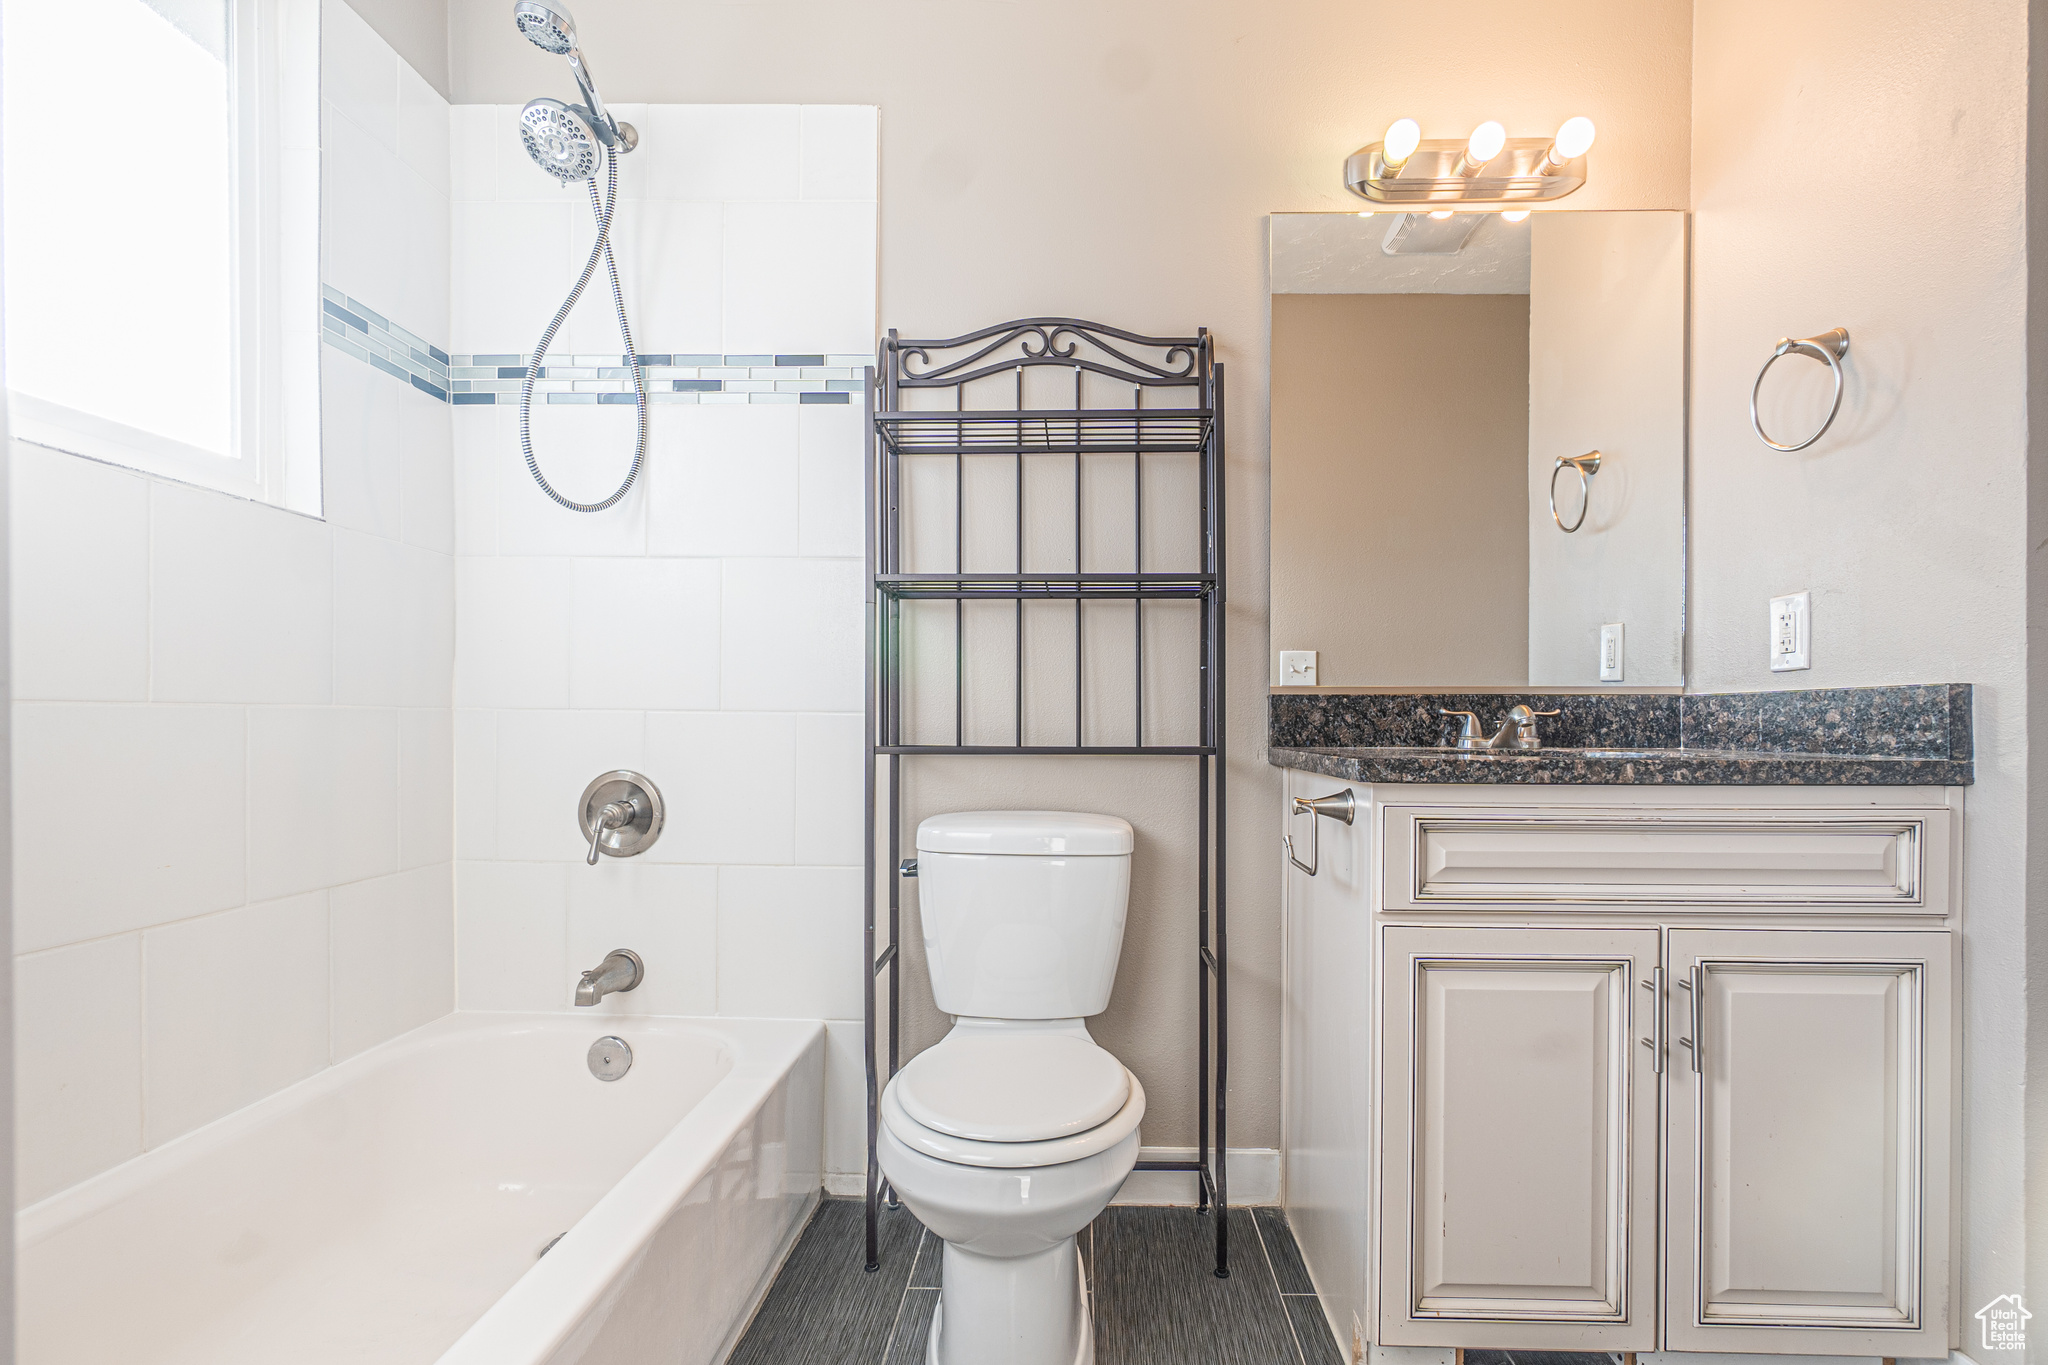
<point x="1866" y="736"/>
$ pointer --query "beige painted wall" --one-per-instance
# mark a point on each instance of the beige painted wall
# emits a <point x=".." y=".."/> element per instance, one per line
<point x="418" y="30"/>
<point x="1607" y="322"/>
<point x="1909" y="521"/>
<point x="1118" y="162"/>
<point x="1400" y="509"/>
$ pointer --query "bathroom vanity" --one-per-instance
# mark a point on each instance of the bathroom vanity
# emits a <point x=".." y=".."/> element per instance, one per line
<point x="1627" y="1045"/>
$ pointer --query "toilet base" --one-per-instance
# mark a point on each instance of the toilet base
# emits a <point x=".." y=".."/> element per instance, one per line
<point x="1020" y="1311"/>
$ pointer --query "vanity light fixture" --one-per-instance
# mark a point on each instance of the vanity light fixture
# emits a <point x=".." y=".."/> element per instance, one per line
<point x="1489" y="167"/>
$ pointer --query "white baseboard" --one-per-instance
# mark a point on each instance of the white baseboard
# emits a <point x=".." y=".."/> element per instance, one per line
<point x="1254" y="1178"/>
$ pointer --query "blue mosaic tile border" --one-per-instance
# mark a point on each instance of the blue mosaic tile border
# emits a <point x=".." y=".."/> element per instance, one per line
<point x="355" y="330"/>
<point x="670" y="378"/>
<point x="487" y="380"/>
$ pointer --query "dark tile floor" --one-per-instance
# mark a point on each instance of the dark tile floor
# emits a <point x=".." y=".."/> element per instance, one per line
<point x="1156" y="1298"/>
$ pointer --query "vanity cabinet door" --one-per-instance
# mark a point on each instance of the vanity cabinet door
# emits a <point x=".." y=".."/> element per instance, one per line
<point x="1809" y="1142"/>
<point x="1519" y="1144"/>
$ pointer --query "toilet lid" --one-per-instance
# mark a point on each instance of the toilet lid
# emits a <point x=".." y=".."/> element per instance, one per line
<point x="1013" y="1088"/>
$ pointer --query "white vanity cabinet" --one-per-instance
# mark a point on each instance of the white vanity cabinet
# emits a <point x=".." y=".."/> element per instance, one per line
<point x="1626" y="1068"/>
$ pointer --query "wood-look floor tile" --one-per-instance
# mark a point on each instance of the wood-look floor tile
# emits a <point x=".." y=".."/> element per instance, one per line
<point x="913" y="1326"/>
<point x="1312" y="1331"/>
<point x="1158" y="1301"/>
<point x="1288" y="1267"/>
<point x="825" y="1308"/>
<point x="929" y="1273"/>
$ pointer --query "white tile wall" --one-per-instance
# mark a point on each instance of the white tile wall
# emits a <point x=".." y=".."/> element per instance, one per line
<point x="234" y="1008"/>
<point x="708" y="630"/>
<point x="269" y="693"/>
<point x="276" y="696"/>
<point x="77" y="1061"/>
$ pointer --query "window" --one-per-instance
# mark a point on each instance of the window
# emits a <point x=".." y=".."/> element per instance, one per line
<point x="161" y="183"/>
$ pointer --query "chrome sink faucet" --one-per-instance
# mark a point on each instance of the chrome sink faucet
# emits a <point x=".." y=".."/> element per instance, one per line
<point x="621" y="970"/>
<point x="1517" y="730"/>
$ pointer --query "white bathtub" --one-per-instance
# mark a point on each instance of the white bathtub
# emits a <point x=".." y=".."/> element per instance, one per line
<point x="392" y="1209"/>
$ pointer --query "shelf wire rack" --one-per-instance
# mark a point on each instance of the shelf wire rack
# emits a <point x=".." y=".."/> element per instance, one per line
<point x="1152" y="403"/>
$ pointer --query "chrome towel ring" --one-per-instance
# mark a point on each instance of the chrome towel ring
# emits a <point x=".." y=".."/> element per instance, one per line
<point x="1829" y="348"/>
<point x="1587" y="466"/>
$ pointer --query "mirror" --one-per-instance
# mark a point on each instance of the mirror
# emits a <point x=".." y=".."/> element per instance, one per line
<point x="1429" y="377"/>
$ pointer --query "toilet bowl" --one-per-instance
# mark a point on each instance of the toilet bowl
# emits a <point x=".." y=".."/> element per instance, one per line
<point x="1011" y="1134"/>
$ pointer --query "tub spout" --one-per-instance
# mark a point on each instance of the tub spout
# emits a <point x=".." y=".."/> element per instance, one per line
<point x="621" y="970"/>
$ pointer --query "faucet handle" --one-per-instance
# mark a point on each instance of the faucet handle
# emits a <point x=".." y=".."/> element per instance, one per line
<point x="1468" y="729"/>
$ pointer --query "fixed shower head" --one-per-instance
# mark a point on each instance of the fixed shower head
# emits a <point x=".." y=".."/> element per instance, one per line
<point x="560" y="139"/>
<point x="547" y="28"/>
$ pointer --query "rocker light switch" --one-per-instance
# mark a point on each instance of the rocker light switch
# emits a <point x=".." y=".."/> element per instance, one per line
<point x="1792" y="632"/>
<point x="1297" y="668"/>
<point x="1610" y="652"/>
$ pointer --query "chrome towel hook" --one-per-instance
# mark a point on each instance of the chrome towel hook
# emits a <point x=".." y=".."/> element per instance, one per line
<point x="1828" y="348"/>
<point x="1587" y="466"/>
<point x="1338" y="805"/>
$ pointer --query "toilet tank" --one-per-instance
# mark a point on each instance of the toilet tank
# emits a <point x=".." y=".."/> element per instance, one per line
<point x="1023" y="910"/>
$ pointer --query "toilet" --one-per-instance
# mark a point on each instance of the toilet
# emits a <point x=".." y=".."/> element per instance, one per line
<point x="1012" y="1133"/>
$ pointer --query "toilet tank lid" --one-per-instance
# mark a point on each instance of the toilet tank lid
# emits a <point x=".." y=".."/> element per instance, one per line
<point x="1039" y="833"/>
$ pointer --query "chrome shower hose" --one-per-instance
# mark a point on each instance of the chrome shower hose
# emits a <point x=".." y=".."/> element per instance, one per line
<point x="600" y="250"/>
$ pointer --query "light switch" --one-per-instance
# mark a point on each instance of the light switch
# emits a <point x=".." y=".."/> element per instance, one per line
<point x="1297" y="668"/>
<point x="1610" y="652"/>
<point x="1792" y="632"/>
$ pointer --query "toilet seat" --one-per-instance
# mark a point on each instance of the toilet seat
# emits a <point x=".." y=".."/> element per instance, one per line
<point x="1013" y="1086"/>
<point x="960" y="1151"/>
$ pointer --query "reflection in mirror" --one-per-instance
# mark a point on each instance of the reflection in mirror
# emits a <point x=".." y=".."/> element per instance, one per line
<point x="1429" y="377"/>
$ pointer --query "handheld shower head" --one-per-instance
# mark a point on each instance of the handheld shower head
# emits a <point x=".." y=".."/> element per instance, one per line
<point x="550" y="29"/>
<point x="547" y="28"/>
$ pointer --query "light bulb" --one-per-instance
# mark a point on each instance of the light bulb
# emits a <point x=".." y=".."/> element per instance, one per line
<point x="1365" y="213"/>
<point x="1485" y="144"/>
<point x="1514" y="215"/>
<point x="1404" y="135"/>
<point x="1441" y="214"/>
<point x="1574" y="139"/>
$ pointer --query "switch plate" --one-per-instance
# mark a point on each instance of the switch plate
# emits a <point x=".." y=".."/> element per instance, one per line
<point x="1297" y="668"/>
<point x="1610" y="652"/>
<point x="1792" y="632"/>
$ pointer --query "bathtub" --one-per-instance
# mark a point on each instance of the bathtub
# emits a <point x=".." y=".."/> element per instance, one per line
<point x="393" y="1209"/>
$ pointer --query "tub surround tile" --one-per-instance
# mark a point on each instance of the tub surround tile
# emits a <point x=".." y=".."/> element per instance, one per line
<point x="1871" y="736"/>
<point x="511" y="935"/>
<point x="236" y="1007"/>
<point x="80" y="563"/>
<point x="78" y="1062"/>
<point x="184" y="766"/>
<point x="668" y="915"/>
<point x="392" y="941"/>
<point x="785" y="935"/>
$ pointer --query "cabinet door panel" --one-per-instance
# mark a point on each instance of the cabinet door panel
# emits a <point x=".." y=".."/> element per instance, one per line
<point x="1520" y="1141"/>
<point x="1809" y="1148"/>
